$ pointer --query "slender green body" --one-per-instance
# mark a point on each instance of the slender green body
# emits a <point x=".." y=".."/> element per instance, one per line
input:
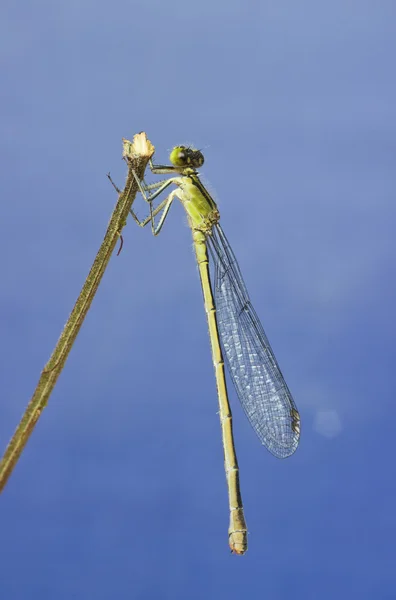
<point x="237" y="532"/>
<point x="202" y="214"/>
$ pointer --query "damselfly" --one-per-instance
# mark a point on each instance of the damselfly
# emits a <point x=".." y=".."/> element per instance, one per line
<point x="234" y="328"/>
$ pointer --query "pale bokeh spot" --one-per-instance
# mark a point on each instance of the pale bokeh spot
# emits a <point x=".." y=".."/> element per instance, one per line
<point x="328" y="423"/>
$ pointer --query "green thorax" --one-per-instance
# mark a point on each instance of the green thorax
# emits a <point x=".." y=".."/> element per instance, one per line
<point x="198" y="203"/>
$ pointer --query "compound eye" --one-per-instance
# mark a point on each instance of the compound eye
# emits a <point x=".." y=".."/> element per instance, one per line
<point x="198" y="159"/>
<point x="183" y="156"/>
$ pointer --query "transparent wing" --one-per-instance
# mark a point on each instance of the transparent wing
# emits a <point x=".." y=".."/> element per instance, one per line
<point x="258" y="380"/>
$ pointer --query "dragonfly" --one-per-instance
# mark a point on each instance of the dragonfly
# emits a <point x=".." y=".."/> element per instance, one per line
<point x="235" y="331"/>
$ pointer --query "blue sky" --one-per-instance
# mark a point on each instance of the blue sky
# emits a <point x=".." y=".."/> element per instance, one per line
<point x="121" y="490"/>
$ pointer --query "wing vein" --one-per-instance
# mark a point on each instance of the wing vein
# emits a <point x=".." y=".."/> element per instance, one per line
<point x="258" y="380"/>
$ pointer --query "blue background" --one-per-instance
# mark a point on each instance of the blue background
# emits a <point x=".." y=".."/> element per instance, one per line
<point x="121" y="491"/>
